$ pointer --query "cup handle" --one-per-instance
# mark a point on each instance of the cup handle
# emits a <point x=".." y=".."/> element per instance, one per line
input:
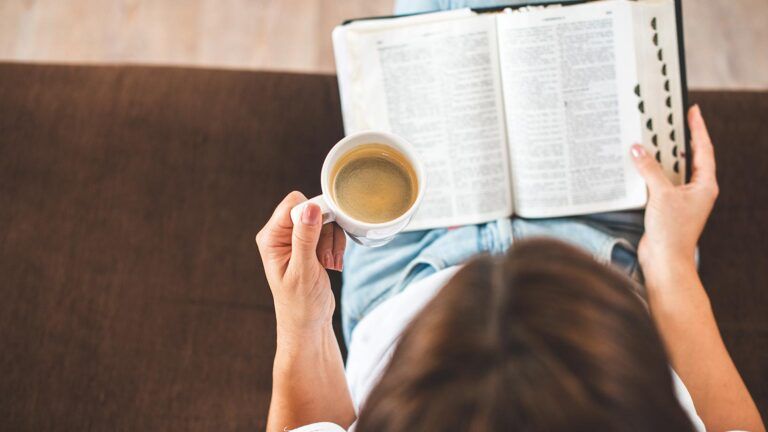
<point x="319" y="200"/>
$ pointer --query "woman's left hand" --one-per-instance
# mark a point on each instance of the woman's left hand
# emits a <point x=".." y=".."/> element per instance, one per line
<point x="295" y="259"/>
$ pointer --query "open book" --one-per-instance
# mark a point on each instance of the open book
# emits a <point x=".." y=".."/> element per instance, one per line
<point x="528" y="111"/>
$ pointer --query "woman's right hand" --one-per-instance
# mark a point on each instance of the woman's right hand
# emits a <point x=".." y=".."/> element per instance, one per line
<point x="674" y="219"/>
<point x="675" y="215"/>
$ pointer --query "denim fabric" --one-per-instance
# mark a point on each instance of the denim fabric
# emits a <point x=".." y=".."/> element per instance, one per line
<point x="372" y="275"/>
<point x="416" y="6"/>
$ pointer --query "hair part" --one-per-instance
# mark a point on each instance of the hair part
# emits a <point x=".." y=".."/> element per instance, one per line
<point x="543" y="338"/>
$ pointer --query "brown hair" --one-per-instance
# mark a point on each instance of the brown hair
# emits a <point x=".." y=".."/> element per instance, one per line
<point x="544" y="338"/>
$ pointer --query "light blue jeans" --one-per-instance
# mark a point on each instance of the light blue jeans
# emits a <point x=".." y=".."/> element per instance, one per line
<point x="403" y="7"/>
<point x="372" y="275"/>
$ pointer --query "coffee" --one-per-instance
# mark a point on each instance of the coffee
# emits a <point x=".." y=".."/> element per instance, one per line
<point x="374" y="183"/>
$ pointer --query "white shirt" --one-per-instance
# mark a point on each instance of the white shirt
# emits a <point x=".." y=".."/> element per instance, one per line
<point x="376" y="335"/>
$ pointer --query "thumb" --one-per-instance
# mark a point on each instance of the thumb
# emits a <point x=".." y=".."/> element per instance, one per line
<point x="648" y="168"/>
<point x="306" y="234"/>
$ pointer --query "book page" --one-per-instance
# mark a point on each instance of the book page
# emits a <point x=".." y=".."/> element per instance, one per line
<point x="342" y="55"/>
<point x="568" y="75"/>
<point x="659" y="93"/>
<point x="436" y="84"/>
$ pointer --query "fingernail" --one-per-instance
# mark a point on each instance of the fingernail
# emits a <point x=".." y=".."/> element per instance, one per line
<point x="339" y="260"/>
<point x="310" y="215"/>
<point x="328" y="261"/>
<point x="694" y="113"/>
<point x="637" y="151"/>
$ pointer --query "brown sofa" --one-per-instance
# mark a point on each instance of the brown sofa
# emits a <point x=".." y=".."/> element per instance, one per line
<point x="132" y="296"/>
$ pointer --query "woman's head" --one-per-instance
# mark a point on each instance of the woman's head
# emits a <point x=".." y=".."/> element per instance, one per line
<point x="544" y="338"/>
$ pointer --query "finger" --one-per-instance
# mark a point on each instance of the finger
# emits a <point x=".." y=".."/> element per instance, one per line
<point x="339" y="244"/>
<point x="325" y="246"/>
<point x="649" y="169"/>
<point x="306" y="235"/>
<point x="703" y="162"/>
<point x="280" y="220"/>
<point x="281" y="217"/>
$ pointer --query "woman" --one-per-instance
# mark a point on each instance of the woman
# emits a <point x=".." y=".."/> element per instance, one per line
<point x="544" y="338"/>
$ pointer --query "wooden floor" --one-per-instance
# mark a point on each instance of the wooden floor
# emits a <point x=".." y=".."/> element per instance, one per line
<point x="726" y="40"/>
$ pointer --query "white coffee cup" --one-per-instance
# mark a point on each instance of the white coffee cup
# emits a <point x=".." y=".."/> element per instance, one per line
<point x="364" y="233"/>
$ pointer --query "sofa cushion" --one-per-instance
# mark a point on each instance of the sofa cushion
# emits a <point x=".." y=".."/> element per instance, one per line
<point x="132" y="292"/>
<point x="133" y="297"/>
